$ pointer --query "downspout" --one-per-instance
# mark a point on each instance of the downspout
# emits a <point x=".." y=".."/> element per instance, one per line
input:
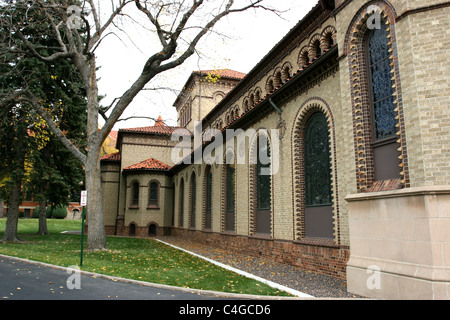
<point x="118" y="198"/>
<point x="199" y="99"/>
<point x="275" y="106"/>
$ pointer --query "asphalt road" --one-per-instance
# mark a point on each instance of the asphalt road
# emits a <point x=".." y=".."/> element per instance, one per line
<point x="22" y="280"/>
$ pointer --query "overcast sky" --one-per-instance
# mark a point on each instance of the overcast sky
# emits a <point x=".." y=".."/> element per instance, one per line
<point x="251" y="36"/>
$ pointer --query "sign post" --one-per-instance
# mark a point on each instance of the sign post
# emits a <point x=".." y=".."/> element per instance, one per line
<point x="83" y="202"/>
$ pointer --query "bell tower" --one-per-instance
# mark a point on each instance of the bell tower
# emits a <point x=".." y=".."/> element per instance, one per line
<point x="202" y="92"/>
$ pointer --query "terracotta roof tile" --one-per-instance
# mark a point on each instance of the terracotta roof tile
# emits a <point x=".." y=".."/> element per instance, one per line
<point x="149" y="164"/>
<point x="226" y="73"/>
<point x="111" y="157"/>
<point x="158" y="128"/>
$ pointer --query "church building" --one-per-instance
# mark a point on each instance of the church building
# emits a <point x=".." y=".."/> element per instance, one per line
<point x="343" y="135"/>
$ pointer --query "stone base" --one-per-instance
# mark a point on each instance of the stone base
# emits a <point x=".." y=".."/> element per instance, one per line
<point x="400" y="244"/>
<point x="375" y="283"/>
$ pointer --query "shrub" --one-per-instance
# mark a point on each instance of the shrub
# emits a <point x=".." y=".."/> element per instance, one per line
<point x="48" y="212"/>
<point x="58" y="212"/>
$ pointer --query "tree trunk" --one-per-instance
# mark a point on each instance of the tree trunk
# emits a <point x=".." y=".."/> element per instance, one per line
<point x="12" y="218"/>
<point x="96" y="238"/>
<point x="2" y="204"/>
<point x="42" y="218"/>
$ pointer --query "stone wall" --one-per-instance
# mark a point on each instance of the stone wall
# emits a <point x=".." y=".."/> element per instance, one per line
<point x="400" y="244"/>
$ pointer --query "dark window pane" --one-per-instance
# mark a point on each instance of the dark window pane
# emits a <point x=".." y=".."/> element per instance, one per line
<point x="380" y="77"/>
<point x="230" y="188"/>
<point x="263" y="176"/>
<point x="317" y="161"/>
<point x="230" y="198"/>
<point x="208" y="198"/>
<point x="193" y="199"/>
<point x="135" y="194"/>
<point x="153" y="196"/>
<point x="181" y="217"/>
<point x="384" y="118"/>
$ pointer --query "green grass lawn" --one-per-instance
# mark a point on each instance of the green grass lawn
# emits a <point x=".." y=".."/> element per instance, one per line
<point x="132" y="258"/>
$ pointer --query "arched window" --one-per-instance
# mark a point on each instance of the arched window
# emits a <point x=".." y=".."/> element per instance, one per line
<point x="208" y="199"/>
<point x="181" y="211"/>
<point x="172" y="222"/>
<point x="134" y="194"/>
<point x="383" y="120"/>
<point x="193" y="200"/>
<point x="153" y="195"/>
<point x="230" y="193"/>
<point x="318" y="199"/>
<point x="263" y="187"/>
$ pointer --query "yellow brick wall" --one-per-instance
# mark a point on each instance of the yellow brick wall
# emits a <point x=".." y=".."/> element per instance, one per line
<point x="424" y="43"/>
<point x="110" y="191"/>
<point x="143" y="215"/>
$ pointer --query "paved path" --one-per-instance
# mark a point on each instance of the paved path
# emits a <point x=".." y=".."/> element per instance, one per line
<point x="23" y="280"/>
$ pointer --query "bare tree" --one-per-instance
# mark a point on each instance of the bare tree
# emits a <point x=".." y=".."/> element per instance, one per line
<point x="79" y="29"/>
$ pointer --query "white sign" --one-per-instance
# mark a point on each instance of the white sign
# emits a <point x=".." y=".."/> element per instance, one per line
<point x="83" y="199"/>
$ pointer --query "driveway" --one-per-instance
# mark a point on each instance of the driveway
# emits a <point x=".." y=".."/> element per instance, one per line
<point x="24" y="280"/>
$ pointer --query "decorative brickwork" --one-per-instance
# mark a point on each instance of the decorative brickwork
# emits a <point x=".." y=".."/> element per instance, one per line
<point x="306" y="109"/>
<point x="354" y="48"/>
<point x="253" y="184"/>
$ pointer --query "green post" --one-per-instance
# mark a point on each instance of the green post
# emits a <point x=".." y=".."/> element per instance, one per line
<point x="82" y="235"/>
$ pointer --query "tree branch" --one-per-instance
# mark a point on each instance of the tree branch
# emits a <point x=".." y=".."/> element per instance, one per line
<point x="27" y="96"/>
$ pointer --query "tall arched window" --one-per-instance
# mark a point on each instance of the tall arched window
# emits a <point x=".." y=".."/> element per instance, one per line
<point x="193" y="200"/>
<point x="230" y="194"/>
<point x="383" y="120"/>
<point x="172" y="221"/>
<point x="263" y="187"/>
<point x="134" y="194"/>
<point x="208" y="199"/>
<point x="181" y="216"/>
<point x="318" y="197"/>
<point x="153" y="195"/>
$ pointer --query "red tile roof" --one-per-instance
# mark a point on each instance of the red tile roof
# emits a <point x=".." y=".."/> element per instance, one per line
<point x="158" y="128"/>
<point x="149" y="164"/>
<point x="111" y="157"/>
<point x="224" y="73"/>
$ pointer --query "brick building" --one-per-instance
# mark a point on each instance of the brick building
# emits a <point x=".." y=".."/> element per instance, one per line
<point x="360" y="162"/>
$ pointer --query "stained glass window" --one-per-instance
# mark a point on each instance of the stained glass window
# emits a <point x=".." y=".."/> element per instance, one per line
<point x="135" y="194"/>
<point x="317" y="161"/>
<point x="263" y="176"/>
<point x="230" y="188"/>
<point x="153" y="194"/>
<point x="380" y="77"/>
<point x="208" y="197"/>
<point x="181" y="221"/>
<point x="230" y="197"/>
<point x="193" y="199"/>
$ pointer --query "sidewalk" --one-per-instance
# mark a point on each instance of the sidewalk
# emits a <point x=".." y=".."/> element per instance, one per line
<point x="310" y="283"/>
